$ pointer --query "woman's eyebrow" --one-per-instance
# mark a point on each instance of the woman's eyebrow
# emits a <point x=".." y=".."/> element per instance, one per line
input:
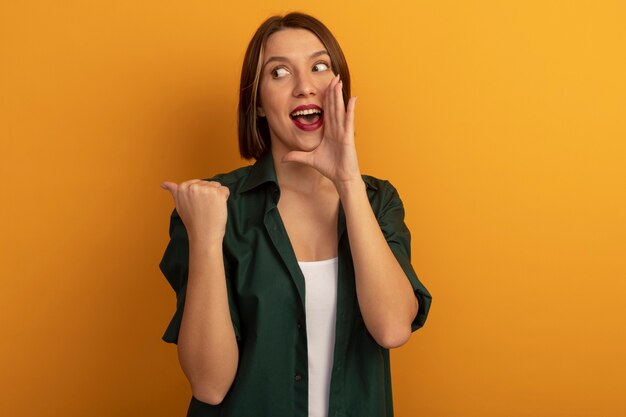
<point x="283" y="59"/>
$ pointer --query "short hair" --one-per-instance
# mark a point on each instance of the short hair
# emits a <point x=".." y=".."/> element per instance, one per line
<point x="254" y="133"/>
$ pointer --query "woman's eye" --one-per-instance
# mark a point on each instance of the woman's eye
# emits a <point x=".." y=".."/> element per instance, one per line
<point x="320" y="66"/>
<point x="279" y="72"/>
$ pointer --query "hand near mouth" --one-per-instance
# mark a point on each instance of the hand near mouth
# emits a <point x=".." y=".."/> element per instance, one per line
<point x="335" y="157"/>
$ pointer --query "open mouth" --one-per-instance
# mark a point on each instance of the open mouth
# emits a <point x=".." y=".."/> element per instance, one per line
<point x="308" y="117"/>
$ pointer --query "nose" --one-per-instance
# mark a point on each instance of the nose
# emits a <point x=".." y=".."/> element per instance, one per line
<point x="305" y="86"/>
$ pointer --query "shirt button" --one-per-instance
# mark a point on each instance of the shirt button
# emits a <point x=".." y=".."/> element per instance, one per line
<point x="298" y="377"/>
<point x="299" y="325"/>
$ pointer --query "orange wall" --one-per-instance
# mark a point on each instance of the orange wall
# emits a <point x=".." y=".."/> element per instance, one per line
<point x="501" y="123"/>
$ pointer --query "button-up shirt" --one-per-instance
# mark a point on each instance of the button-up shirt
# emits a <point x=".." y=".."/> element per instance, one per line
<point x="266" y="295"/>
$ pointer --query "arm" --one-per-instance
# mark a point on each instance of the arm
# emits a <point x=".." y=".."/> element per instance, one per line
<point x="207" y="346"/>
<point x="386" y="298"/>
<point x="385" y="295"/>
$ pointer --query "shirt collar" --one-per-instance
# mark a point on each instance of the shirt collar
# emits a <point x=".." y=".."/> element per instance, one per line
<point x="263" y="171"/>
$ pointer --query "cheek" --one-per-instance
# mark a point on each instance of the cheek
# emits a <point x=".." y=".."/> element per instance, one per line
<point x="270" y="99"/>
<point x="324" y="84"/>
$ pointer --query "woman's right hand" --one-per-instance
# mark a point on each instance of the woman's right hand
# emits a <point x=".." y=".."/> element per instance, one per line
<point x="201" y="206"/>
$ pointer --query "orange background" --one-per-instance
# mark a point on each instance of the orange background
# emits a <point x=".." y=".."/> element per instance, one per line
<point x="502" y="123"/>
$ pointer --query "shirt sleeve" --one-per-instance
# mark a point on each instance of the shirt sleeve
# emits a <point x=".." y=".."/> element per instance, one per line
<point x="391" y="221"/>
<point x="175" y="267"/>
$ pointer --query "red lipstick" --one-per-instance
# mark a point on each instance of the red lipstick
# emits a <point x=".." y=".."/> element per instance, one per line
<point x="300" y="114"/>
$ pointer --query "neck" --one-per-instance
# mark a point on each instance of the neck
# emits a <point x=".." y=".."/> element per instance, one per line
<point x="298" y="177"/>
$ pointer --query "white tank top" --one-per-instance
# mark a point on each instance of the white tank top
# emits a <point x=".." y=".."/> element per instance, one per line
<point x="321" y="311"/>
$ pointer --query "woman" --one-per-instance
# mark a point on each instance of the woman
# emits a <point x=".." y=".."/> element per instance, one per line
<point x="292" y="275"/>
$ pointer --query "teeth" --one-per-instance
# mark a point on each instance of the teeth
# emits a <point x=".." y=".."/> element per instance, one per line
<point x="305" y="112"/>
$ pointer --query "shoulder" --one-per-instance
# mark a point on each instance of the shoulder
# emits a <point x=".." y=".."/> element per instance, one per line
<point x="233" y="179"/>
<point x="377" y="184"/>
<point x="380" y="192"/>
<point x="248" y="185"/>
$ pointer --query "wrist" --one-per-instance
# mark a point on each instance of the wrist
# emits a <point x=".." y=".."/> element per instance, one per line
<point x="205" y="243"/>
<point x="350" y="187"/>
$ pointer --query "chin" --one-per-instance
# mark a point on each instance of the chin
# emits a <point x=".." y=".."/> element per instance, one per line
<point x="309" y="144"/>
<point x="299" y="141"/>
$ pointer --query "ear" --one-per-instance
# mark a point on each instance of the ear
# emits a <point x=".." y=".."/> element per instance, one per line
<point x="260" y="112"/>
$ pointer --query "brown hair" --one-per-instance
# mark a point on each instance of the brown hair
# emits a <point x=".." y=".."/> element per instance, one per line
<point x="254" y="133"/>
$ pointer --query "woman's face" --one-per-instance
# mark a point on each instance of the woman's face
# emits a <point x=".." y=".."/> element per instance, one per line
<point x="296" y="72"/>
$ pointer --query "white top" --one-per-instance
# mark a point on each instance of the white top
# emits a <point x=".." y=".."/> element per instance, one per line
<point x="321" y="311"/>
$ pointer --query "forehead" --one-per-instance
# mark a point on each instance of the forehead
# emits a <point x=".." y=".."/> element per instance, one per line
<point x="292" y="43"/>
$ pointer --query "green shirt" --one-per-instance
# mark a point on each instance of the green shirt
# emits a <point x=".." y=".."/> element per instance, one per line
<point x="266" y="297"/>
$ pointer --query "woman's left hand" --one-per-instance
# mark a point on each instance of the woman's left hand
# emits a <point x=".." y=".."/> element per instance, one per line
<point x="335" y="157"/>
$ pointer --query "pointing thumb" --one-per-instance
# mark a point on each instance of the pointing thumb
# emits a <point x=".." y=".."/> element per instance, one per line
<point x="172" y="187"/>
